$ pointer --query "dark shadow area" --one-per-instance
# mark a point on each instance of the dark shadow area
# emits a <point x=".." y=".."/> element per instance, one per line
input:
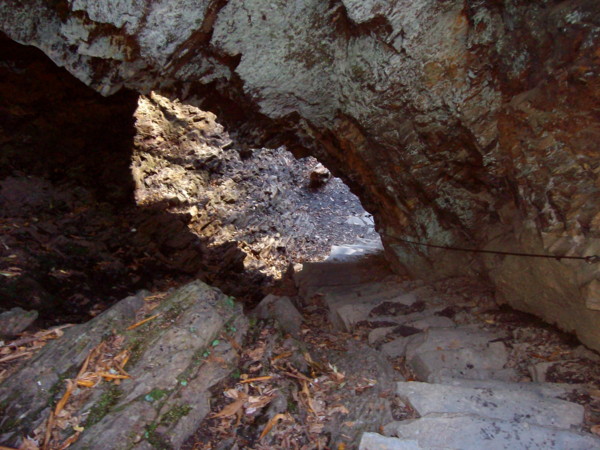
<point x="72" y="240"/>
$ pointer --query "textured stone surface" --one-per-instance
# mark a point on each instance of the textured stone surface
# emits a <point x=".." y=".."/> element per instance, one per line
<point x="374" y="441"/>
<point x="176" y="358"/>
<point x="283" y="311"/>
<point x="15" y="320"/>
<point x="491" y="402"/>
<point x="471" y="125"/>
<point x="468" y="432"/>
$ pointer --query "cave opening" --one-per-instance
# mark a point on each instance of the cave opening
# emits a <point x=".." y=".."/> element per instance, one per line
<point x="102" y="197"/>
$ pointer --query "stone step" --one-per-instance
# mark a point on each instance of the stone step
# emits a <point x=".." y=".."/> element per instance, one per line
<point x="394" y="328"/>
<point x="314" y="276"/>
<point x="374" y="441"/>
<point x="507" y="375"/>
<point x="450" y="431"/>
<point x="498" y="402"/>
<point x="465" y="352"/>
<point x="550" y="390"/>
<point x="352" y="252"/>
<point x="347" y="311"/>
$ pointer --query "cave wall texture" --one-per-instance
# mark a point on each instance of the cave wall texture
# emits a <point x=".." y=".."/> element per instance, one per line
<point x="469" y="123"/>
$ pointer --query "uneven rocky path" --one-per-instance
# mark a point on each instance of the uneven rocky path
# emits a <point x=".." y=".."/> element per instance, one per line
<point x="346" y="356"/>
<point x="461" y="383"/>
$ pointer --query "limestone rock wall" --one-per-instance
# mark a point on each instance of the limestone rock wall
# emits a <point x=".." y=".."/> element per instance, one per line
<point x="464" y="123"/>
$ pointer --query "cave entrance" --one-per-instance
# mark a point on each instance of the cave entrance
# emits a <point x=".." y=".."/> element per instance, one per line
<point x="101" y="197"/>
<point x="276" y="210"/>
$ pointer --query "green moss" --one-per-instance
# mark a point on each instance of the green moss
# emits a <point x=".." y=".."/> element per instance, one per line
<point x="292" y="407"/>
<point x="252" y="321"/>
<point x="104" y="404"/>
<point x="155" y="395"/>
<point x="228" y="302"/>
<point x="10" y="422"/>
<point x="155" y="439"/>
<point x="174" y="414"/>
<point x="230" y="328"/>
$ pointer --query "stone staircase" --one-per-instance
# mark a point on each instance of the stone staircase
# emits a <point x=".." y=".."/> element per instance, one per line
<point x="464" y="393"/>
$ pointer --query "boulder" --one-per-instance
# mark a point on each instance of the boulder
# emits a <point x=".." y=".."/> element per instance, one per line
<point x="283" y="311"/>
<point x="494" y="402"/>
<point x="174" y="360"/>
<point x="15" y="321"/>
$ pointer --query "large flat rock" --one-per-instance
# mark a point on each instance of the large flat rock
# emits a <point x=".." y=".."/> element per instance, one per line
<point x="551" y="390"/>
<point x="493" y="403"/>
<point x="374" y="441"/>
<point x="469" y="432"/>
<point x="466" y="352"/>
<point x="175" y="359"/>
<point x="368" y="268"/>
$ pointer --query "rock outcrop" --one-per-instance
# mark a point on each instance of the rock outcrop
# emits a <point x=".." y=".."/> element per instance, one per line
<point x="465" y="124"/>
<point x="173" y="357"/>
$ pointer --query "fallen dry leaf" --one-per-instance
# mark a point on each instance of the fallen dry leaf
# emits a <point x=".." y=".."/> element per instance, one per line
<point x="255" y="403"/>
<point x="276" y="418"/>
<point x="341" y="409"/>
<point x="142" y="322"/>
<point x="232" y="408"/>
<point x="251" y="380"/>
<point x="65" y="398"/>
<point x="596" y="429"/>
<point x="15" y="356"/>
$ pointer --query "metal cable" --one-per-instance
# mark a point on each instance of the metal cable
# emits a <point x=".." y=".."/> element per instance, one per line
<point x="588" y="259"/>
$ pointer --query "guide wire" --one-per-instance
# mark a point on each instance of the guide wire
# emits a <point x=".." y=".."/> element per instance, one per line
<point x="593" y="259"/>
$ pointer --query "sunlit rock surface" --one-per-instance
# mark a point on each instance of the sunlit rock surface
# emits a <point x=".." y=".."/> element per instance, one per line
<point x="470" y="124"/>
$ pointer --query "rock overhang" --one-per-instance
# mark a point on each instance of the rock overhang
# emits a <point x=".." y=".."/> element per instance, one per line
<point x="469" y="125"/>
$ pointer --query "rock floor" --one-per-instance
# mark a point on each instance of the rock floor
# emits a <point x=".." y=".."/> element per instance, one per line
<point x="366" y="359"/>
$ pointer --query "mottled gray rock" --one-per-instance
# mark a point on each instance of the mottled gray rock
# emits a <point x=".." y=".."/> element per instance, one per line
<point x="370" y="409"/>
<point x="378" y="334"/>
<point x="345" y="312"/>
<point x="171" y="372"/>
<point x="346" y="274"/>
<point x="508" y="374"/>
<point x="465" y="352"/>
<point x="283" y="311"/>
<point x="493" y="403"/>
<point x="437" y="339"/>
<point x="552" y="390"/>
<point x="29" y="391"/>
<point x="15" y="321"/>
<point x="431" y="322"/>
<point x="538" y="371"/>
<point x="374" y="441"/>
<point x="468" y="432"/>
<point x="397" y="347"/>
<point x="319" y="177"/>
<point x="466" y="360"/>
